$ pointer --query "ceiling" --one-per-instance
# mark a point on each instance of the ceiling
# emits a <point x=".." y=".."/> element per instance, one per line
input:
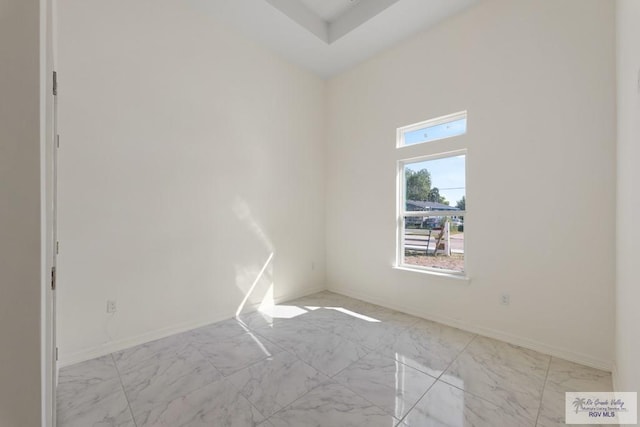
<point x="330" y="36"/>
<point x="329" y="10"/>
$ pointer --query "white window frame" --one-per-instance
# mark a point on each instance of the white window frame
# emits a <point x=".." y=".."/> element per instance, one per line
<point x="426" y="124"/>
<point x="425" y="152"/>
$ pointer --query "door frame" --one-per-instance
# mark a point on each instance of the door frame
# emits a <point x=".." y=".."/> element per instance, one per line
<point x="48" y="215"/>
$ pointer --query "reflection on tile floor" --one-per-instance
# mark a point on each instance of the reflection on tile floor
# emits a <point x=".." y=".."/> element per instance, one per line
<point x="322" y="360"/>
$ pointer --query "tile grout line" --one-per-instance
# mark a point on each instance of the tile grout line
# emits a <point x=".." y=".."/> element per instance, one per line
<point x="368" y="352"/>
<point x="361" y="396"/>
<point x="416" y="404"/>
<point x="189" y="344"/>
<point x="332" y="378"/>
<point x="400" y="420"/>
<point x="208" y="361"/>
<point x="222" y="378"/>
<point x="456" y="358"/>
<point x="135" y="423"/>
<point x="477" y="396"/>
<point x="375" y="350"/>
<point x="473" y="338"/>
<point x="383" y="410"/>
<point x="264" y="419"/>
<point x="284" y="350"/>
<point x="401" y="330"/>
<point x="350" y="364"/>
<point x="372" y="403"/>
<point x="544" y="387"/>
<point x="248" y="330"/>
<point x="437" y="378"/>
<point x="301" y="396"/>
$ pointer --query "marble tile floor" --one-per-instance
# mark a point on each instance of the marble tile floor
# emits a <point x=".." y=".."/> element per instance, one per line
<point x="322" y="360"/>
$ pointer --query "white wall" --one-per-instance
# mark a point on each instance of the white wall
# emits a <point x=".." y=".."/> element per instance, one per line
<point x="20" y="268"/>
<point x="538" y="81"/>
<point x="188" y="156"/>
<point x="627" y="375"/>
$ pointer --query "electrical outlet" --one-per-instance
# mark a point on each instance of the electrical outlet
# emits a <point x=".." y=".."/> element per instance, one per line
<point x="505" y="299"/>
<point x="111" y="306"/>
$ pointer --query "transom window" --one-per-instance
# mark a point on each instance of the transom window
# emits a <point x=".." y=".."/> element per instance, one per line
<point x="434" y="129"/>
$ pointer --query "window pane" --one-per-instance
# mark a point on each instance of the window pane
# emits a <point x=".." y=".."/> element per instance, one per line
<point x="434" y="242"/>
<point x="435" y="184"/>
<point x="438" y="131"/>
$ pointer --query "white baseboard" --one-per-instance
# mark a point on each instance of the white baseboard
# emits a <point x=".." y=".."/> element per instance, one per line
<point x="562" y="353"/>
<point x="614" y="377"/>
<point x="300" y="294"/>
<point x="124" y="343"/>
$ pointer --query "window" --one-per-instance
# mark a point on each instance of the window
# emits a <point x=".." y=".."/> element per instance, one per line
<point x="432" y="200"/>
<point x="432" y="130"/>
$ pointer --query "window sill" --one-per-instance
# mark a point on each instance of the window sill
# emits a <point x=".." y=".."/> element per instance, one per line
<point x="461" y="277"/>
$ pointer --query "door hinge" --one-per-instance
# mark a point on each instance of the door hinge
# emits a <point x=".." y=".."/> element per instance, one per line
<point x="57" y="141"/>
<point x="57" y="248"/>
<point x="55" y="83"/>
<point x="53" y="278"/>
<point x="56" y="354"/>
